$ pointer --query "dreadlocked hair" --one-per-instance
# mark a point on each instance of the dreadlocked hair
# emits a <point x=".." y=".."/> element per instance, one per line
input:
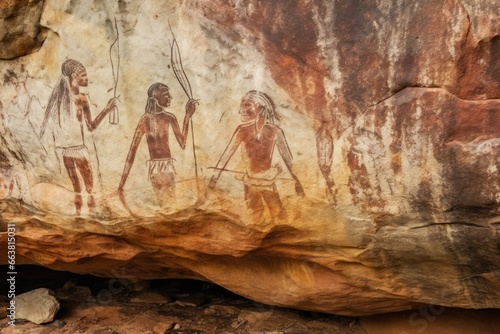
<point x="265" y="101"/>
<point x="60" y="98"/>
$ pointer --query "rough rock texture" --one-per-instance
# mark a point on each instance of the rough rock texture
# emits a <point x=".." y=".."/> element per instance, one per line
<point x="374" y="189"/>
<point x="20" y="30"/>
<point x="38" y="306"/>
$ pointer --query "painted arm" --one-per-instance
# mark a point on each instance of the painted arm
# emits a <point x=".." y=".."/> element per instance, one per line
<point x="139" y="132"/>
<point x="224" y="159"/>
<point x="93" y="124"/>
<point x="182" y="136"/>
<point x="285" y="153"/>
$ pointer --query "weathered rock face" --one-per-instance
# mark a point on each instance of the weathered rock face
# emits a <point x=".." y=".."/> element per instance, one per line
<point x="326" y="155"/>
<point x="20" y="30"/>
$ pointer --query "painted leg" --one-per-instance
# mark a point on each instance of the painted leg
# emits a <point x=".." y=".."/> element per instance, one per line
<point x="86" y="172"/>
<point x="274" y="204"/>
<point x="70" y="164"/>
<point x="255" y="204"/>
<point x="164" y="187"/>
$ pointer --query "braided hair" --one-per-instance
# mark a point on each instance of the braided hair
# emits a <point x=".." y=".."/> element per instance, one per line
<point x="70" y="66"/>
<point x="60" y="98"/>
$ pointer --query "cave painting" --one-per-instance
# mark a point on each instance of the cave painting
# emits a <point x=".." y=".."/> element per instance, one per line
<point x="66" y="112"/>
<point x="258" y="137"/>
<point x="7" y="181"/>
<point x="155" y="124"/>
<point x="324" y="148"/>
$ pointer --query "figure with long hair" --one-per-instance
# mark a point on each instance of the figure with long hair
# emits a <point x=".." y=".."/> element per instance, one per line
<point x="67" y="114"/>
<point x="258" y="137"/>
<point x="155" y="124"/>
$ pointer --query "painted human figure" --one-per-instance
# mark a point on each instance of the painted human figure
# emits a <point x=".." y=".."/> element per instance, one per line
<point x="67" y="113"/>
<point x="324" y="147"/>
<point x="258" y="137"/>
<point x="156" y="124"/>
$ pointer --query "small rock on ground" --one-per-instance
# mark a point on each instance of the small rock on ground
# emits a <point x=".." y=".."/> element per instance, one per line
<point x="38" y="306"/>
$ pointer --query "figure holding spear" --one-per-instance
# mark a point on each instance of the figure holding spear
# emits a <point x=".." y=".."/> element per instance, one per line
<point x="155" y="124"/>
<point x="258" y="136"/>
<point x="67" y="115"/>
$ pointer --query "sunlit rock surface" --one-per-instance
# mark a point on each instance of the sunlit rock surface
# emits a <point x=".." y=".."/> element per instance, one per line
<point x="360" y="177"/>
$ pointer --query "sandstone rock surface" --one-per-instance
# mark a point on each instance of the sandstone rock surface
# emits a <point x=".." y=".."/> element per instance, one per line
<point x="20" y="29"/>
<point x="326" y="155"/>
<point x="38" y="306"/>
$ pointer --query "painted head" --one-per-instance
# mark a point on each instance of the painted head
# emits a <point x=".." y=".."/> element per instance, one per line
<point x="257" y="104"/>
<point x="76" y="72"/>
<point x="158" y="94"/>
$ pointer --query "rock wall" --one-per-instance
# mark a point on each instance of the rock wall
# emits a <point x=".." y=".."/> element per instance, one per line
<point x="20" y="29"/>
<point x="325" y="155"/>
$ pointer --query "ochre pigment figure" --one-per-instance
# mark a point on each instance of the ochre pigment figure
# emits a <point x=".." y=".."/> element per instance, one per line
<point x="156" y="124"/>
<point x="259" y="136"/>
<point x="67" y="113"/>
<point x="324" y="147"/>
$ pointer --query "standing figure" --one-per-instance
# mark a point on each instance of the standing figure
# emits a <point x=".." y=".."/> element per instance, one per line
<point x="259" y="137"/>
<point x="68" y="110"/>
<point x="155" y="124"/>
<point x="324" y="147"/>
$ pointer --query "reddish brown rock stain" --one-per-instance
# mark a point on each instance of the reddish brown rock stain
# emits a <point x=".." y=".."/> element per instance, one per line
<point x="286" y="34"/>
<point x="480" y="65"/>
<point x="450" y="127"/>
<point x="473" y="121"/>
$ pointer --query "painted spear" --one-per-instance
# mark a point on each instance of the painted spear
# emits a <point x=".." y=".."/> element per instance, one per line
<point x="180" y="74"/>
<point x="114" y="116"/>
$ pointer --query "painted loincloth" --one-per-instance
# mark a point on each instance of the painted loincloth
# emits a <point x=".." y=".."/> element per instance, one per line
<point x="157" y="166"/>
<point x="79" y="151"/>
<point x="264" y="180"/>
